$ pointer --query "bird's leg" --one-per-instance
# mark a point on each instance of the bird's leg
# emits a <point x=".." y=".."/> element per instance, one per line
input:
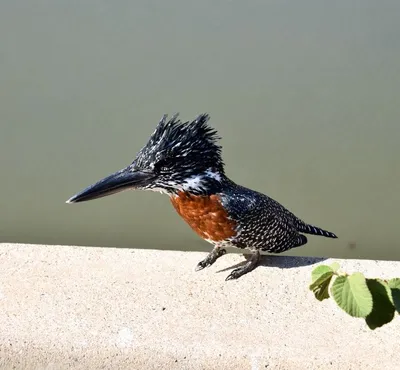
<point x="249" y="266"/>
<point x="211" y="258"/>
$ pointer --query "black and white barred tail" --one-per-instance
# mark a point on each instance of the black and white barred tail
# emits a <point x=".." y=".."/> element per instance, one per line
<point x="310" y="229"/>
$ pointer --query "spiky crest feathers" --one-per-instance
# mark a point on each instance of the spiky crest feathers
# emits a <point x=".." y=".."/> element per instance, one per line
<point x="181" y="152"/>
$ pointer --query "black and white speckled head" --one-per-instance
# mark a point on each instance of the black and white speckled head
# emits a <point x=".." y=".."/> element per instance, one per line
<point x="183" y="155"/>
<point x="179" y="156"/>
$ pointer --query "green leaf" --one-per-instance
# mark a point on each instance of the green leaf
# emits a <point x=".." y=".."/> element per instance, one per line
<point x="394" y="286"/>
<point x="334" y="266"/>
<point x="351" y="293"/>
<point x="383" y="309"/>
<point x="319" y="271"/>
<point x="321" y="291"/>
<point x="321" y="279"/>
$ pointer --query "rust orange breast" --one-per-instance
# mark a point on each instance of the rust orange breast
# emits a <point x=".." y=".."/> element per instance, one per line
<point x="205" y="215"/>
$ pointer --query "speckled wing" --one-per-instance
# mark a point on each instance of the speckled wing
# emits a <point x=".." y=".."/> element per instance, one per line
<point x="262" y="223"/>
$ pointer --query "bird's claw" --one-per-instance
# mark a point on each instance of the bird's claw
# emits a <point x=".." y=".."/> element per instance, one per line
<point x="210" y="259"/>
<point x="249" y="266"/>
<point x="235" y="274"/>
<point x="201" y="265"/>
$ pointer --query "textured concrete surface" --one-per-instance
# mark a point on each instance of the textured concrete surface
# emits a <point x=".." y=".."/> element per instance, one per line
<point x="94" y="308"/>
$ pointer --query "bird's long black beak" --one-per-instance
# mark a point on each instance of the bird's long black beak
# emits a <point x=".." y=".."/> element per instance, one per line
<point x="127" y="178"/>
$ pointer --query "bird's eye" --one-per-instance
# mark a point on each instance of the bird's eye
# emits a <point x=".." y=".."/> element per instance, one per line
<point x="166" y="164"/>
<point x="161" y="165"/>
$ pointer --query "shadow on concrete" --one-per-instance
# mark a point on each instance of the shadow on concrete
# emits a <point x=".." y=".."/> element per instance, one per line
<point x="284" y="262"/>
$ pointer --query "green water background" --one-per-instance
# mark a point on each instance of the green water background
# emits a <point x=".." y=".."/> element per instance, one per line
<point x="304" y="93"/>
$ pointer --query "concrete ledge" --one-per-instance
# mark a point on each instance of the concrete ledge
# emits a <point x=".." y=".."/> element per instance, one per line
<point x="97" y="308"/>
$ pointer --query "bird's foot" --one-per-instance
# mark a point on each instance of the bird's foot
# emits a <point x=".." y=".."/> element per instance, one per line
<point x="249" y="266"/>
<point x="211" y="258"/>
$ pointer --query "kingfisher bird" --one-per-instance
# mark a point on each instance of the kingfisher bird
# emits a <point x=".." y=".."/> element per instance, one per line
<point x="184" y="161"/>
